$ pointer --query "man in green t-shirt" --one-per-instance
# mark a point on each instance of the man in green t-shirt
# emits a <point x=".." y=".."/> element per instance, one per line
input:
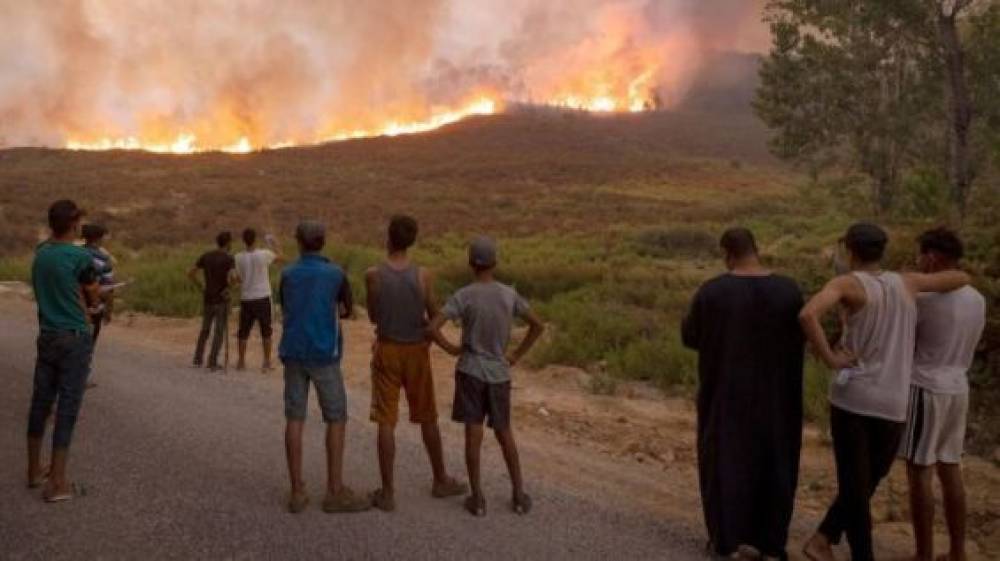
<point x="64" y="282"/>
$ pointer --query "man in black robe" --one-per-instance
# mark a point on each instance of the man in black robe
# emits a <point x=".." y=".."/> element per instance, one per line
<point x="744" y="325"/>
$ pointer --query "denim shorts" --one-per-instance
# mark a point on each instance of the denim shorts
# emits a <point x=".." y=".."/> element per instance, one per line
<point x="329" y="382"/>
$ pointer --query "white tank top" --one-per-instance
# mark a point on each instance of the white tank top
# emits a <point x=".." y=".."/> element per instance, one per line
<point x="882" y="336"/>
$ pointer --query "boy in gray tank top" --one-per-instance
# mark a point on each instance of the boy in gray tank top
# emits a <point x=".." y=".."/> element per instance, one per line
<point x="949" y="327"/>
<point x="872" y="368"/>
<point x="487" y="310"/>
<point x="400" y="300"/>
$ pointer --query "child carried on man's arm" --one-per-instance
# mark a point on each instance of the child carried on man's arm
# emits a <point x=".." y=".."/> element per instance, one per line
<point x="486" y="309"/>
<point x="104" y="263"/>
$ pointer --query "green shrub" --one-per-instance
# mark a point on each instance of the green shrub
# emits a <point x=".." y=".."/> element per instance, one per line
<point x="675" y="242"/>
<point x="15" y="269"/>
<point x="662" y="360"/>
<point x="816" y="385"/>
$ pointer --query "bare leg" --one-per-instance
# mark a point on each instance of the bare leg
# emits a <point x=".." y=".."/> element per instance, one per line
<point x="506" y="439"/>
<point x="335" y="457"/>
<point x="432" y="442"/>
<point x="267" y="353"/>
<point x="58" y="483"/>
<point x="922" y="509"/>
<point x="818" y="548"/>
<point x="34" y="458"/>
<point x="473" y="446"/>
<point x="954" y="507"/>
<point x="386" y="458"/>
<point x="293" y="452"/>
<point x="241" y="347"/>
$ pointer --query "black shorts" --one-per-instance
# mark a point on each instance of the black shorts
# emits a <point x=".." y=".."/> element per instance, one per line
<point x="251" y="311"/>
<point x="476" y="401"/>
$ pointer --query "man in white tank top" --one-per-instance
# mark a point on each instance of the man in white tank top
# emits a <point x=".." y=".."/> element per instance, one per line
<point x="872" y="366"/>
<point x="253" y="267"/>
<point x="949" y="327"/>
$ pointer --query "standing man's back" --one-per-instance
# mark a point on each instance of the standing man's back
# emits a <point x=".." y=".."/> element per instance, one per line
<point x="315" y="295"/>
<point x="949" y="326"/>
<point x="744" y="324"/>
<point x="400" y="302"/>
<point x="65" y="283"/>
<point x="253" y="267"/>
<point x="216" y="267"/>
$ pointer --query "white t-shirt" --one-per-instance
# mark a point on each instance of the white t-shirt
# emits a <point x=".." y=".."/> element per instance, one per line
<point x="949" y="326"/>
<point x="252" y="267"/>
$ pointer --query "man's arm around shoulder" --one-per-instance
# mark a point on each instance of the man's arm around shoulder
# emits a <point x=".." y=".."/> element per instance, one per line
<point x="944" y="281"/>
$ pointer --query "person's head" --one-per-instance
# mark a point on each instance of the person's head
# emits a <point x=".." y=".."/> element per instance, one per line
<point x="311" y="236"/>
<point x="482" y="254"/>
<point x="940" y="249"/>
<point x="93" y="234"/>
<point x="249" y="237"/>
<point x="739" y="246"/>
<point x="865" y="242"/>
<point x="64" y="219"/>
<point x="402" y="233"/>
<point x="223" y="240"/>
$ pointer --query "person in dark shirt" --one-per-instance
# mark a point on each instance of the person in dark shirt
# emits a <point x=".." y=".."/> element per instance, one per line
<point x="216" y="267"/>
<point x="65" y="284"/>
<point x="744" y="325"/>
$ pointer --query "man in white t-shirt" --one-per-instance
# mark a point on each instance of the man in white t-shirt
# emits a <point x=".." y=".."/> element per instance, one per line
<point x="949" y="327"/>
<point x="253" y="267"/>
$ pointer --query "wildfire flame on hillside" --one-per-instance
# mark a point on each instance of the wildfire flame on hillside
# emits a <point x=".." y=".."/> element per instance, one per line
<point x="192" y="81"/>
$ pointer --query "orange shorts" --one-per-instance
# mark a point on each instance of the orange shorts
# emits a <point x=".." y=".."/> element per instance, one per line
<point x="401" y="365"/>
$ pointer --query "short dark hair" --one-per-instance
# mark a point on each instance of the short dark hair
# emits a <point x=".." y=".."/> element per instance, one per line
<point x="62" y="215"/>
<point x="249" y="236"/>
<point x="866" y="241"/>
<point x="223" y="239"/>
<point x="311" y="236"/>
<point x="944" y="241"/>
<point x="738" y="243"/>
<point x="402" y="232"/>
<point x="93" y="233"/>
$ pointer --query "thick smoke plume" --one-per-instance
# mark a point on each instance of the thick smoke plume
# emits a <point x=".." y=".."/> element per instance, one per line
<point x="297" y="71"/>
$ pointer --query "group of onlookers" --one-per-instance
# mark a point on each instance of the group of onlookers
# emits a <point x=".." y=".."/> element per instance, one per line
<point x="315" y="294"/>
<point x="905" y="344"/>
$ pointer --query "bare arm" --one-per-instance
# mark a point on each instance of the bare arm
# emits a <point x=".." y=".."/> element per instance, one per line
<point x="345" y="300"/>
<point x="195" y="279"/>
<point x="834" y="293"/>
<point x="434" y="332"/>
<point x="535" y="330"/>
<point x="430" y="298"/>
<point x="944" y="281"/>
<point x="691" y="325"/>
<point x="371" y="293"/>
<point x="275" y="248"/>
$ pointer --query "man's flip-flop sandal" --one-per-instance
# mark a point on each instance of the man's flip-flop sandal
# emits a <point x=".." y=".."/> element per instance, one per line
<point x="475" y="507"/>
<point x="521" y="504"/>
<point x="75" y="490"/>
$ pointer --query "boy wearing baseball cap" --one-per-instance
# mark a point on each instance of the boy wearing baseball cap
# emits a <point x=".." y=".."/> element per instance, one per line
<point x="486" y="309"/>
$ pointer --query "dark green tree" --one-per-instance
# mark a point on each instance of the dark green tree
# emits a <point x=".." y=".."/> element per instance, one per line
<point x="879" y="86"/>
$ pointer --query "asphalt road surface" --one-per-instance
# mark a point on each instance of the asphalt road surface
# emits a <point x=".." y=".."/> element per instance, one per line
<point x="179" y="463"/>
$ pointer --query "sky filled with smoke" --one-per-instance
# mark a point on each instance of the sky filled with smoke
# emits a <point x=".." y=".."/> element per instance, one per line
<point x="302" y="70"/>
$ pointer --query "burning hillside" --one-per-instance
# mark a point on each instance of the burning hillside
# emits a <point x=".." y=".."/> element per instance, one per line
<point x="191" y="76"/>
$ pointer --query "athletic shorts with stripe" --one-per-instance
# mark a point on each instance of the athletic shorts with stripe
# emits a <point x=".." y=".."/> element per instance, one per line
<point x="404" y="366"/>
<point x="935" y="428"/>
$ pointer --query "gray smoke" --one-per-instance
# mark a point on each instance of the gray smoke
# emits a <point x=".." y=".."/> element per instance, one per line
<point x="301" y="69"/>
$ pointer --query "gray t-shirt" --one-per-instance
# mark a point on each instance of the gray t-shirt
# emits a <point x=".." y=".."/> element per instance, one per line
<point x="949" y="326"/>
<point x="487" y="312"/>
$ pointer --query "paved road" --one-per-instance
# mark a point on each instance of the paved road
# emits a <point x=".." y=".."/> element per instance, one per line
<point x="178" y="463"/>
